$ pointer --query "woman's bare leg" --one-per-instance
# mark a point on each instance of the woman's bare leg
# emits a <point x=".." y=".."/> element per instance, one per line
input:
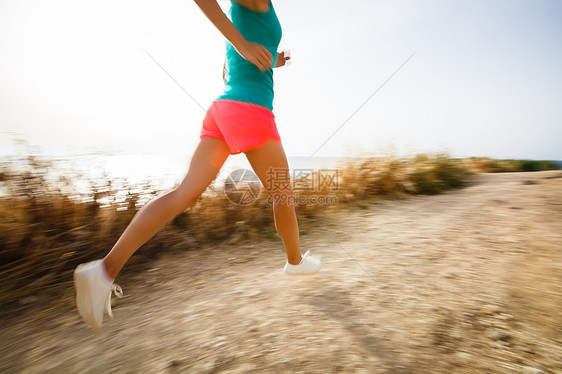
<point x="206" y="162"/>
<point x="270" y="165"/>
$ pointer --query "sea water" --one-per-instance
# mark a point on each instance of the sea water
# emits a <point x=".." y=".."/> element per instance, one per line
<point x="161" y="171"/>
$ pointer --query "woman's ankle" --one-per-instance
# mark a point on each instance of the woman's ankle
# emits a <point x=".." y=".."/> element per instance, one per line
<point x="110" y="271"/>
<point x="294" y="260"/>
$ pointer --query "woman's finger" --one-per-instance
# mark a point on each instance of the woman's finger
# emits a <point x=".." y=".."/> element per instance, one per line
<point x="260" y="64"/>
<point x="264" y="62"/>
<point x="262" y="59"/>
<point x="268" y="54"/>
<point x="265" y="53"/>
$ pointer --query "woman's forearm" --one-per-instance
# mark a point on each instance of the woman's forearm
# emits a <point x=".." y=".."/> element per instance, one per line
<point x="253" y="52"/>
<point x="215" y="14"/>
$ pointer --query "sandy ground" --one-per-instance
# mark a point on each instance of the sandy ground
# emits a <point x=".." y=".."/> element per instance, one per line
<point x="469" y="281"/>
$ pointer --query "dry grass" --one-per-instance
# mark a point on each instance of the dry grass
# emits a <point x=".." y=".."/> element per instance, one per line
<point x="422" y="174"/>
<point x="47" y="228"/>
<point x="490" y="165"/>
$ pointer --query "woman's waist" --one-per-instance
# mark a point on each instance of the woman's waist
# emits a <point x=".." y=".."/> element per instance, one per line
<point x="259" y="97"/>
<point x="249" y="91"/>
<point x="248" y="81"/>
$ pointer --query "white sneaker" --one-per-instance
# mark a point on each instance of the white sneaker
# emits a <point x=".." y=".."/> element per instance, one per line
<point x="307" y="265"/>
<point x="93" y="292"/>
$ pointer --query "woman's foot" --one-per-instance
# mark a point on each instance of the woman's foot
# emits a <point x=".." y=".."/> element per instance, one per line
<point x="93" y="292"/>
<point x="308" y="265"/>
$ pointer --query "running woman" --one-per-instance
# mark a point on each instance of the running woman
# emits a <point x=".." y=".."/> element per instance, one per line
<point x="240" y="120"/>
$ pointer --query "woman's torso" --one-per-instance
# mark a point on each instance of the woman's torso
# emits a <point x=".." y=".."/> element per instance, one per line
<point x="243" y="80"/>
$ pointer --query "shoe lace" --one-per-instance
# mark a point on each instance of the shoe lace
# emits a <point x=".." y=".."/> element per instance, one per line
<point x="118" y="292"/>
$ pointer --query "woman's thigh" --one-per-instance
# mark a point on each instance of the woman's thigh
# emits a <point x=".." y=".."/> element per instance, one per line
<point x="207" y="160"/>
<point x="270" y="165"/>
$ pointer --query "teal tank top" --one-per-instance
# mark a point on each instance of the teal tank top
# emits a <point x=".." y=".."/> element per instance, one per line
<point x="243" y="80"/>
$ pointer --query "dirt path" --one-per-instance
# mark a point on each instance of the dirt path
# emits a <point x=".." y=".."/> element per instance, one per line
<point x="465" y="282"/>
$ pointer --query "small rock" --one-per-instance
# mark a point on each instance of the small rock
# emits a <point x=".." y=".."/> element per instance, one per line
<point x="334" y="348"/>
<point x="362" y="371"/>
<point x="463" y="356"/>
<point x="526" y="349"/>
<point x="176" y="362"/>
<point x="244" y="368"/>
<point x="500" y="325"/>
<point x="531" y="370"/>
<point x="263" y="325"/>
<point x="489" y="309"/>
<point x="208" y="367"/>
<point x="496" y="334"/>
<point x="28" y="300"/>
<point x="504" y="316"/>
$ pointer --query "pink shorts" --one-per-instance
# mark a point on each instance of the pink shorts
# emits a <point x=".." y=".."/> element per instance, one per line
<point x="243" y="126"/>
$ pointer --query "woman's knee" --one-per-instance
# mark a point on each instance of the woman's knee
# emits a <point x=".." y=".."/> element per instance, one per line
<point x="184" y="199"/>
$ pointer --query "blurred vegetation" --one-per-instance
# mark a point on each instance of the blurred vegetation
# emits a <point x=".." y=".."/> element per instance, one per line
<point x="47" y="227"/>
<point x="422" y="174"/>
<point x="490" y="165"/>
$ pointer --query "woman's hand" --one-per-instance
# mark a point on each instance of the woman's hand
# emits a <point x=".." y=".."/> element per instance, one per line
<point x="282" y="59"/>
<point x="257" y="54"/>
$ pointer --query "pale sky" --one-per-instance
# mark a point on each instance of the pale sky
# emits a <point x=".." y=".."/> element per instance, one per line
<point x="486" y="79"/>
